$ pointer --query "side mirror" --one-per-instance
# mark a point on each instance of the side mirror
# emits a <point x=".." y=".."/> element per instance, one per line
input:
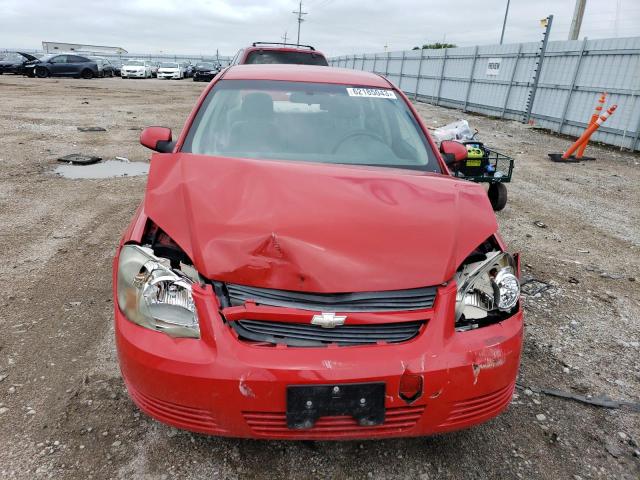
<point x="452" y="151"/>
<point x="157" y="139"/>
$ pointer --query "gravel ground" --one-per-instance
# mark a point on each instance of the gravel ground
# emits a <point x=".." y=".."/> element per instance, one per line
<point x="63" y="409"/>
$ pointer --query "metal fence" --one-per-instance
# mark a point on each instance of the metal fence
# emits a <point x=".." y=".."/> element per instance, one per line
<point x="497" y="80"/>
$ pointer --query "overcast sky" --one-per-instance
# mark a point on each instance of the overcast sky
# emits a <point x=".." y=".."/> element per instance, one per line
<point x="334" y="26"/>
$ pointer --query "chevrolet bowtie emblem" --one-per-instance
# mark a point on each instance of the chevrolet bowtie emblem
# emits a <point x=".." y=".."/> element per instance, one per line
<point x="328" y="320"/>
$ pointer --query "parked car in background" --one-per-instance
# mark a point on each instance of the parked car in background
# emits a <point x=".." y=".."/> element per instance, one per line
<point x="205" y="71"/>
<point x="154" y="69"/>
<point x="105" y="68"/>
<point x="267" y="52"/>
<point x="117" y="66"/>
<point x="189" y="70"/>
<point x="14" y="62"/>
<point x="136" y="69"/>
<point x="64" y="65"/>
<point x="171" y="70"/>
<point x="256" y="294"/>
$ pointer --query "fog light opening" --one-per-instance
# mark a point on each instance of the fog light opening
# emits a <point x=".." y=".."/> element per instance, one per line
<point x="410" y="387"/>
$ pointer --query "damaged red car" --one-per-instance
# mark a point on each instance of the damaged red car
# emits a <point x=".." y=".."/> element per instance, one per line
<point x="303" y="266"/>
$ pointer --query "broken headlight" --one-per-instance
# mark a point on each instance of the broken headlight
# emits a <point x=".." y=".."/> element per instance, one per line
<point x="488" y="289"/>
<point x="154" y="295"/>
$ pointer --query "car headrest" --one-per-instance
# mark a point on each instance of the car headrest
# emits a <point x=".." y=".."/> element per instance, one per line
<point x="257" y="105"/>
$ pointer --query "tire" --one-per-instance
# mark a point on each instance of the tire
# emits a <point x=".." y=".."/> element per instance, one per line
<point x="87" y="74"/>
<point x="497" y="196"/>
<point x="42" y="72"/>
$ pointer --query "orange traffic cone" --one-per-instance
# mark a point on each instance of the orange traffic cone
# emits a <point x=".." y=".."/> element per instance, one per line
<point x="589" y="131"/>
<point x="594" y="117"/>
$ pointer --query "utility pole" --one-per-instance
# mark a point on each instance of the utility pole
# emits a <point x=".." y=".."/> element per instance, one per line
<point x="504" y="23"/>
<point x="576" y="21"/>
<point x="284" y="38"/>
<point x="299" y="13"/>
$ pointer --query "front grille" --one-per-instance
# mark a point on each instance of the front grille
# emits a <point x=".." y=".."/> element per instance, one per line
<point x="391" y="300"/>
<point x="307" y="335"/>
<point x="274" y="424"/>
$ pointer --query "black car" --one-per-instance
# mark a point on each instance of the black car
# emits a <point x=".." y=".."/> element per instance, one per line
<point x="105" y="67"/>
<point x="204" y="72"/>
<point x="13" y="62"/>
<point x="64" y="65"/>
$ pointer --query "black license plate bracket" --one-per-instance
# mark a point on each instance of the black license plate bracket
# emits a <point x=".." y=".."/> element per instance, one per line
<point x="362" y="401"/>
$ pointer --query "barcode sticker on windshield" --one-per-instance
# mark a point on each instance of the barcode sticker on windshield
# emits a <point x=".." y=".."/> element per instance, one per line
<point x="371" y="93"/>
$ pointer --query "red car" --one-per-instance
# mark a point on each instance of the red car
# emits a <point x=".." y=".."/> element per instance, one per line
<point x="285" y="53"/>
<point x="303" y="266"/>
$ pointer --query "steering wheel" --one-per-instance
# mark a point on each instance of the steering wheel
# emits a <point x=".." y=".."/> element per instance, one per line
<point x="357" y="133"/>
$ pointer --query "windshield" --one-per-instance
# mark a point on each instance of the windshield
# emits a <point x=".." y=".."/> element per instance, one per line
<point x="276" y="56"/>
<point x="134" y="63"/>
<point x="11" y="57"/>
<point x="168" y="65"/>
<point x="204" y="65"/>
<point x="312" y="122"/>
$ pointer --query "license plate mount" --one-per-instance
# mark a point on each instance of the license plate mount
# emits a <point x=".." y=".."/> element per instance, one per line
<point x="362" y="401"/>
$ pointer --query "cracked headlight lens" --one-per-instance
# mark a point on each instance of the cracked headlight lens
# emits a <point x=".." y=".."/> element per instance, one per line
<point x="153" y="295"/>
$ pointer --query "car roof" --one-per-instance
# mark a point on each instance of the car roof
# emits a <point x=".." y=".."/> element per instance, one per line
<point x="305" y="73"/>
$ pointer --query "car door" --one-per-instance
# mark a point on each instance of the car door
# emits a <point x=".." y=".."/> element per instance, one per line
<point x="75" y="64"/>
<point x="58" y="65"/>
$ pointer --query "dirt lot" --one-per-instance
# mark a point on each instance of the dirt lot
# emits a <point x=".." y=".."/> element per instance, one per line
<point x="63" y="409"/>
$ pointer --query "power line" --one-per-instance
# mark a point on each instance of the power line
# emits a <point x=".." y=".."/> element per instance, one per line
<point x="299" y="13"/>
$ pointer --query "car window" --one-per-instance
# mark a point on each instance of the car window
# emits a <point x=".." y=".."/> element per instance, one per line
<point x="76" y="59"/>
<point x="59" y="59"/>
<point x="11" y="57"/>
<point x="309" y="122"/>
<point x="276" y="56"/>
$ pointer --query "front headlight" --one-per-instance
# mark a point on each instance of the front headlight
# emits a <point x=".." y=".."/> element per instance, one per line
<point x="488" y="289"/>
<point x="153" y="295"/>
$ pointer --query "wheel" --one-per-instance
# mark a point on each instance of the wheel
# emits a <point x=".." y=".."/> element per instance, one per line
<point x="42" y="72"/>
<point x="87" y="74"/>
<point x="497" y="196"/>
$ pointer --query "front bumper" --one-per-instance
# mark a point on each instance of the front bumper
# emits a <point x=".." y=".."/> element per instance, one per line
<point x="222" y="386"/>
<point x="133" y="74"/>
<point x="169" y="75"/>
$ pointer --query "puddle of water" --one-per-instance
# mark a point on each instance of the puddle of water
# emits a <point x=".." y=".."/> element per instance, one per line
<point x="107" y="169"/>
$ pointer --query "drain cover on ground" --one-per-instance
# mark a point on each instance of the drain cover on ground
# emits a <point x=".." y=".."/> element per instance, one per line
<point x="78" y="159"/>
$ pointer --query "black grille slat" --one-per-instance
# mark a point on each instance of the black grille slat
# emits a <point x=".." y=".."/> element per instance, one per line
<point x="301" y="334"/>
<point x="392" y="300"/>
<point x="293" y="327"/>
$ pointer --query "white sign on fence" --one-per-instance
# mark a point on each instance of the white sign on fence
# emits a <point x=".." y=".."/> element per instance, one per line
<point x="493" y="66"/>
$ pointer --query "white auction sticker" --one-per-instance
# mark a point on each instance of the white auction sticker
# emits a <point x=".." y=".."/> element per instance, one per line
<point x="371" y="93"/>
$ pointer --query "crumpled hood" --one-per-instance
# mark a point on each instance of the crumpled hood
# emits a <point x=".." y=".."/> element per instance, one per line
<point x="315" y="227"/>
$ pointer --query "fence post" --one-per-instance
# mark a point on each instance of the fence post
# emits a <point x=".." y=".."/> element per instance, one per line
<point x="473" y="69"/>
<point x="401" y="70"/>
<point x="573" y="85"/>
<point x="513" y="75"/>
<point x="415" y="95"/>
<point x="375" y="60"/>
<point x="353" y="66"/>
<point x="444" y="61"/>
<point x="636" y="137"/>
<point x="363" y="60"/>
<point x="386" y="67"/>
<point x="536" y="78"/>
